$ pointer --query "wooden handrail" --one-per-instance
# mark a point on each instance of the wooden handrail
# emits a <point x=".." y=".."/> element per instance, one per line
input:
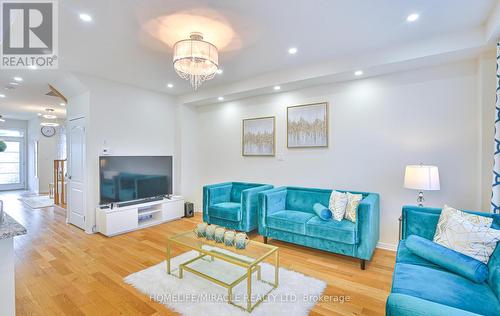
<point x="57" y="93"/>
<point x="59" y="179"/>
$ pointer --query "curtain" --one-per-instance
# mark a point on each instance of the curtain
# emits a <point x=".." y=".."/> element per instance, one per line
<point x="495" y="195"/>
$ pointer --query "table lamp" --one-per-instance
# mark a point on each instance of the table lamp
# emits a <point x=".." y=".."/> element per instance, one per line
<point x="422" y="178"/>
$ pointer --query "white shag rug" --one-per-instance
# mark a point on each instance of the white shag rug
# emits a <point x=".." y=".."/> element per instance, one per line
<point x="38" y="201"/>
<point x="296" y="294"/>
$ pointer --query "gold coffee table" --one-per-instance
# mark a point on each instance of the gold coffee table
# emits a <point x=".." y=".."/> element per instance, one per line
<point x="249" y="259"/>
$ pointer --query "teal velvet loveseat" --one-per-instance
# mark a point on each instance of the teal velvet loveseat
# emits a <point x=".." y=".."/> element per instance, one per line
<point x="420" y="287"/>
<point x="286" y="213"/>
<point x="232" y="204"/>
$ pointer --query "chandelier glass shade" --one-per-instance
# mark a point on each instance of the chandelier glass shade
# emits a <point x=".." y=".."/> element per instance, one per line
<point x="196" y="60"/>
<point x="49" y="119"/>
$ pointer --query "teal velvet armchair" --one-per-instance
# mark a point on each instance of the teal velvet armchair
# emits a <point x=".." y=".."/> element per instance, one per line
<point x="421" y="287"/>
<point x="287" y="214"/>
<point x="232" y="204"/>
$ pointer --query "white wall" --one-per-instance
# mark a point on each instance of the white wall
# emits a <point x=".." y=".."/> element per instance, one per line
<point x="187" y="149"/>
<point x="486" y="98"/>
<point x="377" y="126"/>
<point x="33" y="134"/>
<point x="79" y="106"/>
<point x="48" y="151"/>
<point x="132" y="121"/>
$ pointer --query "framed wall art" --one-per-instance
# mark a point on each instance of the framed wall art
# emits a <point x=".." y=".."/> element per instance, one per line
<point x="307" y="125"/>
<point x="259" y="136"/>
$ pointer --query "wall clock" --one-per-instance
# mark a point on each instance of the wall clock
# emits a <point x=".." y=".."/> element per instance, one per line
<point x="48" y="131"/>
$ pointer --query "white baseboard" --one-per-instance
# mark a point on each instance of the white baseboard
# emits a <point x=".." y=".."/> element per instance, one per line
<point x="386" y="246"/>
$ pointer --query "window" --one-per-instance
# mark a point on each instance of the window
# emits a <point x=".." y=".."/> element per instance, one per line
<point x="11" y="133"/>
<point x="10" y="163"/>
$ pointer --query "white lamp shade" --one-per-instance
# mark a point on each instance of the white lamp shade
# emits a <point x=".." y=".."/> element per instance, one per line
<point x="420" y="177"/>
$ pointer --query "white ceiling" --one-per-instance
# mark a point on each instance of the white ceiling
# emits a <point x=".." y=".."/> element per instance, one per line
<point x="333" y="38"/>
<point x="28" y="99"/>
<point x="115" y="46"/>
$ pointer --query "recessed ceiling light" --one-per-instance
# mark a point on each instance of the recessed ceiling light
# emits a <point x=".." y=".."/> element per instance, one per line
<point x="358" y="72"/>
<point x="18" y="79"/>
<point x="220" y="98"/>
<point x="292" y="50"/>
<point x="14" y="83"/>
<point x="277" y="87"/>
<point x="85" y="17"/>
<point x="412" y="17"/>
<point x="169" y="85"/>
<point x="62" y="104"/>
<point x="39" y="114"/>
<point x="219" y="71"/>
<point x="2" y="95"/>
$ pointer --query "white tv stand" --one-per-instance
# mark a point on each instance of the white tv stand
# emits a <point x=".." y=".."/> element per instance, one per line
<point x="119" y="220"/>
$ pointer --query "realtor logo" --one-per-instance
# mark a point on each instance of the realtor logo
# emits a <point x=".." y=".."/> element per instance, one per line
<point x="29" y="34"/>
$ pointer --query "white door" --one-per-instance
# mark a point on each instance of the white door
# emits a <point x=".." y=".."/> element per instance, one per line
<point x="12" y="160"/>
<point x="76" y="173"/>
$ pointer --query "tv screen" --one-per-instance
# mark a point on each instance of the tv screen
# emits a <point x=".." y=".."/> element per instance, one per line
<point x="127" y="178"/>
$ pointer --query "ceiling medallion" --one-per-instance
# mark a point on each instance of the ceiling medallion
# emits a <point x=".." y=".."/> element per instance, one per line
<point x="195" y="59"/>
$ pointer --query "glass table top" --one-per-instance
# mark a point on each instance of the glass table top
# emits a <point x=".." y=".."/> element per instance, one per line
<point x="254" y="252"/>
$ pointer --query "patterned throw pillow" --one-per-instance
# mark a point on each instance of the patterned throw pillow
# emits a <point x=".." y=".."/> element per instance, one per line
<point x="352" y="206"/>
<point x="449" y="211"/>
<point x="338" y="203"/>
<point x="474" y="219"/>
<point x="461" y="235"/>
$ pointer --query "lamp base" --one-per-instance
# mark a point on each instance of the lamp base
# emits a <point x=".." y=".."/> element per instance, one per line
<point x="420" y="198"/>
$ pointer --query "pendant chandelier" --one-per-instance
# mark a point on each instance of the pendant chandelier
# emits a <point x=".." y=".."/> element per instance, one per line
<point x="195" y="59"/>
<point x="49" y="119"/>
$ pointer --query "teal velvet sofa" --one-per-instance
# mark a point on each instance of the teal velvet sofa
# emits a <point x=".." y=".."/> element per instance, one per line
<point x="286" y="213"/>
<point x="420" y="287"/>
<point x="232" y="204"/>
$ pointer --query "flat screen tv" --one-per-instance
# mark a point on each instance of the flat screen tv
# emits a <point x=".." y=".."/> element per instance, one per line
<point x="128" y="178"/>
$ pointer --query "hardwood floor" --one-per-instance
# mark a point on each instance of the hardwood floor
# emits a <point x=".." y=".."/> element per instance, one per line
<point x="60" y="270"/>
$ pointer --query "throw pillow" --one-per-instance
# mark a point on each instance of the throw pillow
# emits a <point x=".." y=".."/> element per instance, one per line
<point x="473" y="218"/>
<point x="461" y="235"/>
<point x="321" y="210"/>
<point x="451" y="260"/>
<point x="353" y="201"/>
<point x="338" y="203"/>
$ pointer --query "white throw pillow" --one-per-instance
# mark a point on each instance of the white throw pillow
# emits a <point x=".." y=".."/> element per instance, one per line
<point x="462" y="235"/>
<point x="474" y="219"/>
<point x="353" y="201"/>
<point x="338" y="203"/>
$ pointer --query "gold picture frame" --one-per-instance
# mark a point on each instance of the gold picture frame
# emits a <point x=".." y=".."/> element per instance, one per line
<point x="259" y="142"/>
<point x="321" y="139"/>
